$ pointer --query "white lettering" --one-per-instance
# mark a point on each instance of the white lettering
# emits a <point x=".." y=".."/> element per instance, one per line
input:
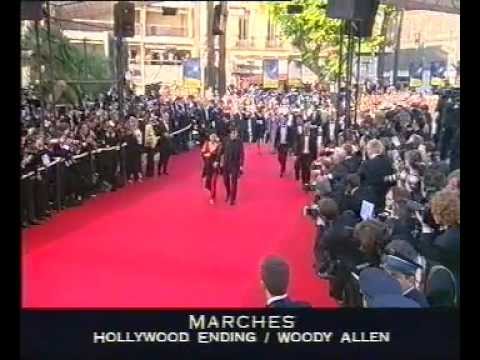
<point x="287" y="337"/>
<point x="359" y="337"/>
<point x="197" y="324"/>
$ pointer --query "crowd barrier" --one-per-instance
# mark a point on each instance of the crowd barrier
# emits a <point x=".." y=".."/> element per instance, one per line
<point x="62" y="182"/>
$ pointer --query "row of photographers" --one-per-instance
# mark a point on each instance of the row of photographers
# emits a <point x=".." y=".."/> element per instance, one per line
<point x="86" y="149"/>
<point x="406" y="251"/>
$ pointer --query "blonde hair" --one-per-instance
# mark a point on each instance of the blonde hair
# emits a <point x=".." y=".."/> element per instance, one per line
<point x="446" y="208"/>
<point x="375" y="147"/>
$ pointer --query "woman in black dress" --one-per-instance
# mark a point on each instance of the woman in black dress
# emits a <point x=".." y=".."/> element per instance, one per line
<point x="259" y="128"/>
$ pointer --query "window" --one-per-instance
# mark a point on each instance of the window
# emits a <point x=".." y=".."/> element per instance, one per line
<point x="167" y="25"/>
<point x="271" y="30"/>
<point x="242" y="28"/>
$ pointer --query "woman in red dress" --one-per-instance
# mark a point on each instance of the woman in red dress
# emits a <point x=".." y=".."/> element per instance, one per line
<point x="211" y="157"/>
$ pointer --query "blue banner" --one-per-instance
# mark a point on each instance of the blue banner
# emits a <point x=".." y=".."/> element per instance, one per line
<point x="416" y="74"/>
<point x="192" y="73"/>
<point x="438" y="71"/>
<point x="271" y="73"/>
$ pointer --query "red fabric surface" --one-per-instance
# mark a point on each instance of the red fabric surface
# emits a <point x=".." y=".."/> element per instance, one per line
<point x="161" y="244"/>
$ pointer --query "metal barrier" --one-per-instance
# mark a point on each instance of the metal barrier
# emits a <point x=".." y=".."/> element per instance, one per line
<point x="63" y="182"/>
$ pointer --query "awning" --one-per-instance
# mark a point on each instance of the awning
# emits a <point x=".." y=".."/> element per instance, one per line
<point x="446" y="6"/>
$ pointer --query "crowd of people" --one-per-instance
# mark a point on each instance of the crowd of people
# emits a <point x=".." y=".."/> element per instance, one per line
<point x="386" y="187"/>
<point x="387" y="204"/>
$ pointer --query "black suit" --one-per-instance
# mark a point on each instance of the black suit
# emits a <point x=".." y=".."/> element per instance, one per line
<point x="444" y="249"/>
<point x="288" y="303"/>
<point x="282" y="149"/>
<point x="302" y="166"/>
<point x="233" y="158"/>
<point x="164" y="146"/>
<point x="372" y="173"/>
<point x="354" y="200"/>
<point x="327" y="139"/>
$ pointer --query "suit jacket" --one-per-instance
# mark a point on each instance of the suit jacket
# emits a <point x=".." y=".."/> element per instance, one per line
<point x="290" y="137"/>
<point x="233" y="155"/>
<point x="288" y="303"/>
<point x="312" y="145"/>
<point x="354" y="201"/>
<point x="444" y="249"/>
<point x="327" y="140"/>
<point x="373" y="172"/>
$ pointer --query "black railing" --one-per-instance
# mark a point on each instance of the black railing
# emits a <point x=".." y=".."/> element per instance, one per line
<point x="65" y="182"/>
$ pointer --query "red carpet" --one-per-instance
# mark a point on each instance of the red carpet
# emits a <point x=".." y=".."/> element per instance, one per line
<point x="161" y="244"/>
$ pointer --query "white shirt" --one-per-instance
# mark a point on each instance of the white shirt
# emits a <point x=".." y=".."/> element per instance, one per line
<point x="307" y="142"/>
<point x="283" y="134"/>
<point x="276" y="298"/>
<point x="138" y="135"/>
<point x="331" y="130"/>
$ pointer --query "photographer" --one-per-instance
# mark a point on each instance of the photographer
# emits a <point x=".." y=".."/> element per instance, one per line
<point x="354" y="194"/>
<point x="443" y="249"/>
<point x="375" y="171"/>
<point x="334" y="236"/>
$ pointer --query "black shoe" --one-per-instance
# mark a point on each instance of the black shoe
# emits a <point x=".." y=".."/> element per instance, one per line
<point x="232" y="203"/>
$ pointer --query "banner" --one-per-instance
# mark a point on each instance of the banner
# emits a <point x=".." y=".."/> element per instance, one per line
<point x="438" y="71"/>
<point x="191" y="73"/>
<point x="295" y="73"/>
<point x="416" y="74"/>
<point x="270" y="74"/>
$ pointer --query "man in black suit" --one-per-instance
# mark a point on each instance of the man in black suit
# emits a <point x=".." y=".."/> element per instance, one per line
<point x="275" y="274"/>
<point x="306" y="152"/>
<point x="232" y="164"/>
<point x="375" y="171"/>
<point x="283" y="143"/>
<point x="330" y="132"/>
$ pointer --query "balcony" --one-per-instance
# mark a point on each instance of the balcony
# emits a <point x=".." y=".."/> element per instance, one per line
<point x="274" y="43"/>
<point x="245" y="43"/>
<point x="161" y="30"/>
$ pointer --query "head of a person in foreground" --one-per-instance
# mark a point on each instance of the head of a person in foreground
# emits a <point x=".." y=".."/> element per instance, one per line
<point x="275" y="276"/>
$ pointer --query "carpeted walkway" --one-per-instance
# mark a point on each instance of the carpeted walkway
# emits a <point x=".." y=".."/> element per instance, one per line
<point x="161" y="244"/>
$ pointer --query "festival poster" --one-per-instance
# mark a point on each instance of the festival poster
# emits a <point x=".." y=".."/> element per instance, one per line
<point x="438" y="70"/>
<point x="270" y="74"/>
<point x="295" y="73"/>
<point x="192" y="73"/>
<point x="416" y="74"/>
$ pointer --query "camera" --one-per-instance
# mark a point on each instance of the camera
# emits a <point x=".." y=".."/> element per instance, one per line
<point x="312" y="211"/>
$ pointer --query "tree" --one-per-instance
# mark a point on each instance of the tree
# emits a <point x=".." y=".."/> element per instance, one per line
<point x="317" y="36"/>
<point x="69" y="63"/>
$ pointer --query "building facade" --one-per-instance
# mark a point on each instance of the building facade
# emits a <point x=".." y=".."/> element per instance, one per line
<point x="163" y="40"/>
<point x="426" y="36"/>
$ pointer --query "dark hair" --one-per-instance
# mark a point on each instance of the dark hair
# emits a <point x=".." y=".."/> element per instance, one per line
<point x="353" y="180"/>
<point x="275" y="275"/>
<point x="372" y="237"/>
<point x="328" y="208"/>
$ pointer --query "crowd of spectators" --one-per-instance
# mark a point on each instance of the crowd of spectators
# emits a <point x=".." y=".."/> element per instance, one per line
<point x="387" y="205"/>
<point x="386" y="188"/>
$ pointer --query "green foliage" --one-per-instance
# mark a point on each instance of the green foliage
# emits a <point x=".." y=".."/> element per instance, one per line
<point x="69" y="63"/>
<point x="317" y="37"/>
